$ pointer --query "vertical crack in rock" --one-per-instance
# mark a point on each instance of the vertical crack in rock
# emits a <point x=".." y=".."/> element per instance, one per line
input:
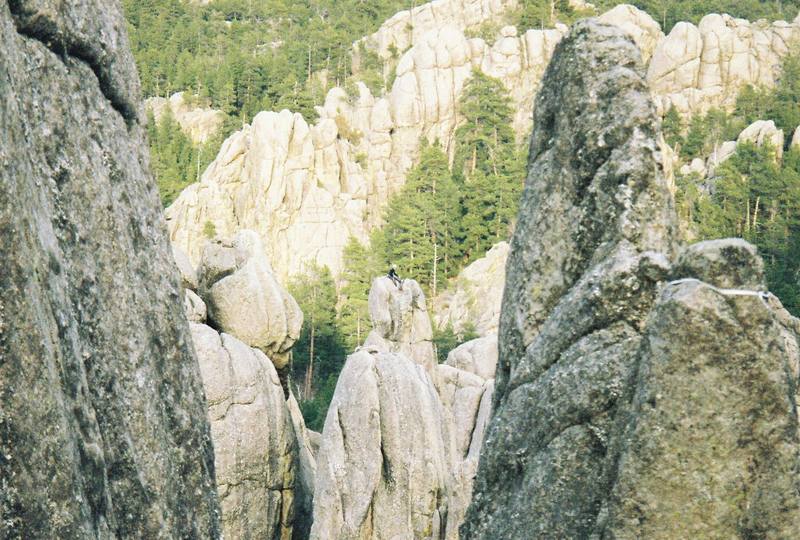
<point x="61" y="31"/>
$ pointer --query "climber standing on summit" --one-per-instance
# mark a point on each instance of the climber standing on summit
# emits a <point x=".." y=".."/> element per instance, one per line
<point x="395" y="278"/>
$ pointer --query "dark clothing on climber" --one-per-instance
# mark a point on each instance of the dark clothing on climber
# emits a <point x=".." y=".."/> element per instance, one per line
<point x="395" y="278"/>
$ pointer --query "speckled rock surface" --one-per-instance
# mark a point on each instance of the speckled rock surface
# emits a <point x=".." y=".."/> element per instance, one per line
<point x="103" y="426"/>
<point x="635" y="398"/>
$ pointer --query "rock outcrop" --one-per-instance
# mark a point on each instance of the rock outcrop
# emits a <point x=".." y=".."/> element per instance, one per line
<point x="402" y="436"/>
<point x="264" y="460"/>
<point x="245" y="299"/>
<point x="642" y="390"/>
<point x="400" y="321"/>
<point x="697" y="68"/>
<point x="103" y="426"/>
<point x="199" y="123"/>
<point x="307" y="189"/>
<point x="763" y="132"/>
<point x="760" y="132"/>
<point x="383" y="469"/>
<point x="472" y="301"/>
<point x="406" y="28"/>
<point x="255" y="446"/>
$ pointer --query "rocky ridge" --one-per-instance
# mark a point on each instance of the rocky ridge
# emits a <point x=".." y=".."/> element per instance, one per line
<point x="307" y="189"/>
<point x="244" y="325"/>
<point x="103" y="426"/>
<point x="643" y="389"/>
<point x="402" y="436"/>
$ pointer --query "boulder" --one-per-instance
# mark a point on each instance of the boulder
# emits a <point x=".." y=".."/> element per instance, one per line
<point x="478" y="356"/>
<point x="763" y="132"/>
<point x="634" y="397"/>
<point x="711" y="437"/>
<point x="194" y="307"/>
<point x="472" y="301"/>
<point x="245" y="299"/>
<point x="255" y="445"/>
<point x="795" y="145"/>
<point x="103" y="426"/>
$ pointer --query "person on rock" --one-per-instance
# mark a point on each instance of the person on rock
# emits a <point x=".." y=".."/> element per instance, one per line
<point x="395" y="278"/>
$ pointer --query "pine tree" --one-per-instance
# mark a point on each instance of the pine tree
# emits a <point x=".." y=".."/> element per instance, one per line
<point x="488" y="167"/>
<point x="422" y="221"/>
<point x="319" y="351"/>
<point x="672" y="128"/>
<point x="362" y="264"/>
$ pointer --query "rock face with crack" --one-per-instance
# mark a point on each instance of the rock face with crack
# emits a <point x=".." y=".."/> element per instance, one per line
<point x="402" y="437"/>
<point x="636" y="396"/>
<point x="103" y="427"/>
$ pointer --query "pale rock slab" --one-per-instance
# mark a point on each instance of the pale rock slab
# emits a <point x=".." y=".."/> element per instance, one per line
<point x="384" y="465"/>
<point x="199" y="123"/>
<point x="795" y="140"/>
<point x="245" y="299"/>
<point x="187" y="271"/>
<point x="255" y="445"/>
<point x="474" y="297"/>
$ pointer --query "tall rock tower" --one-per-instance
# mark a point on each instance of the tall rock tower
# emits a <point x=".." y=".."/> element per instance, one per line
<point x="103" y="426"/>
<point x="643" y="390"/>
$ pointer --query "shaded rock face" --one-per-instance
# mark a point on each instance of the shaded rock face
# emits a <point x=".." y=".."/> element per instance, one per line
<point x="103" y="427"/>
<point x="402" y="437"/>
<point x="635" y="397"/>
<point x="245" y="299"/>
<point x="474" y="298"/>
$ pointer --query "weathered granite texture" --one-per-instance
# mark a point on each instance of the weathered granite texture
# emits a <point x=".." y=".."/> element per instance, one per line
<point x="103" y="426"/>
<point x="642" y="391"/>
